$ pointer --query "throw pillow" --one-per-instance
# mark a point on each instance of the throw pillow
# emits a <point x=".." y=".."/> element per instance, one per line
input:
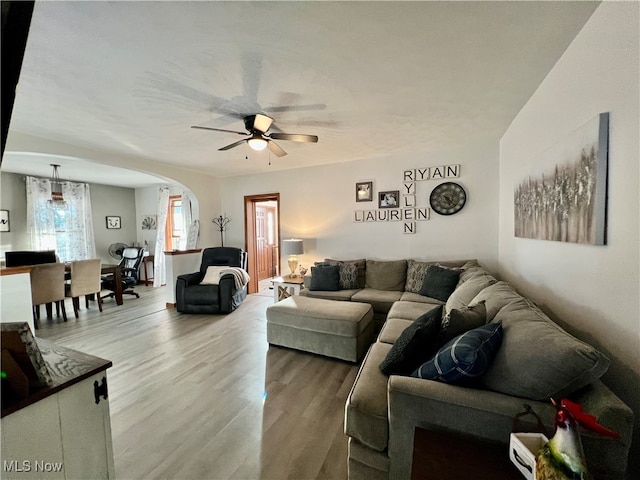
<point x="414" y="345"/>
<point x="439" y="282"/>
<point x="538" y="359"/>
<point x="465" y="357"/>
<point x="348" y="274"/>
<point x="415" y="275"/>
<point x="212" y="275"/>
<point x="325" y="277"/>
<point x="361" y="266"/>
<point x="462" y="320"/>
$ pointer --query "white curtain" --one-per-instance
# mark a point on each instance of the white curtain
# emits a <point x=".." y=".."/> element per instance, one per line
<point x="159" y="265"/>
<point x="66" y="228"/>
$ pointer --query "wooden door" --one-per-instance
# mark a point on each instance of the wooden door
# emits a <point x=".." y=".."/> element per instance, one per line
<point x="262" y="244"/>
<point x="251" y="204"/>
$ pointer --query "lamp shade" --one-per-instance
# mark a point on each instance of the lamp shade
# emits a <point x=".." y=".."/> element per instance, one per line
<point x="293" y="246"/>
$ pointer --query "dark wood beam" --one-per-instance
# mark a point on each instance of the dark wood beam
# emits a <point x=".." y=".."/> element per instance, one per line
<point x="16" y="19"/>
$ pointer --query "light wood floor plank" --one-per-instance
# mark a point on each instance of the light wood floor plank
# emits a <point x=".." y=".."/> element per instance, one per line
<point x="204" y="397"/>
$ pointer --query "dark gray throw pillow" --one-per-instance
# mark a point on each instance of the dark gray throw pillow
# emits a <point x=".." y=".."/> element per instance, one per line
<point x="325" y="277"/>
<point x="439" y="282"/>
<point x="462" y="320"/>
<point x="416" y="344"/>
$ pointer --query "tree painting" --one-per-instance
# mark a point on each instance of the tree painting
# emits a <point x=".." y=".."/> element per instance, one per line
<point x="566" y="202"/>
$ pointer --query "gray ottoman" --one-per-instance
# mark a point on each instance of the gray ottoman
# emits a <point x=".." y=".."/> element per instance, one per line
<point x="327" y="327"/>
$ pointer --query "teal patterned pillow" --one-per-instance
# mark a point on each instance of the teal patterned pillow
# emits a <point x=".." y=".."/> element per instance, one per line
<point x="415" y="275"/>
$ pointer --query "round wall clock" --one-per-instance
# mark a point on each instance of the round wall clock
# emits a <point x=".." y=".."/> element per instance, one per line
<point x="448" y="198"/>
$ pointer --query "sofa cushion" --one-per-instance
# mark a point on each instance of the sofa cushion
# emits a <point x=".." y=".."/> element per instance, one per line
<point x="392" y="329"/>
<point x="361" y="266"/>
<point x="416" y="297"/>
<point x="538" y="359"/>
<point x="462" y="320"/>
<point x="439" y="282"/>
<point x="386" y="275"/>
<point x="344" y="295"/>
<point x="466" y="291"/>
<point x="496" y="296"/>
<point x="409" y="310"/>
<point x="380" y="300"/>
<point x="366" y="408"/>
<point x="465" y="357"/>
<point x="414" y="345"/>
<point x="325" y="277"/>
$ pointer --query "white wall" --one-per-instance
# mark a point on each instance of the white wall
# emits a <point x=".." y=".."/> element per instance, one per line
<point x="594" y="291"/>
<point x="317" y="204"/>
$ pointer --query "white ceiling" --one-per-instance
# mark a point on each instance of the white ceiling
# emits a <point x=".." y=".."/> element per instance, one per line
<point x="370" y="79"/>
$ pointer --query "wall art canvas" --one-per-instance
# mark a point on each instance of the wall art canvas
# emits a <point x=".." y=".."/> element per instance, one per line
<point x="149" y="222"/>
<point x="564" y="197"/>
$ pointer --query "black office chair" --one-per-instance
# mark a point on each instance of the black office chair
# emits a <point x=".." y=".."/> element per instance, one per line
<point x="130" y="271"/>
<point x="192" y="297"/>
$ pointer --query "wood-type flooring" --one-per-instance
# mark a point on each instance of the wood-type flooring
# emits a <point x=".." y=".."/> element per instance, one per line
<point x="205" y="397"/>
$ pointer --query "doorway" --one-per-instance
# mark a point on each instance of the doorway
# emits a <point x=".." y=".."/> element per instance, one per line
<point x="262" y="238"/>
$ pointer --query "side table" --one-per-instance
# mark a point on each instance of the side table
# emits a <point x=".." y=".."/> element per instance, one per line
<point x="285" y="287"/>
<point x="148" y="259"/>
<point x="449" y="456"/>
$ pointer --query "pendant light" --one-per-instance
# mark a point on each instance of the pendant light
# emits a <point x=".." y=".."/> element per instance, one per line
<point x="56" y="187"/>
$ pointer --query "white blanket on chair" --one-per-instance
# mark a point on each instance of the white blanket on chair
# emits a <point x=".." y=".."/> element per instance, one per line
<point x="215" y="272"/>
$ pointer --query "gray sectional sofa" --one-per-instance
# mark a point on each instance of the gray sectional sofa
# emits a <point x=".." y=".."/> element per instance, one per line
<point x="536" y="360"/>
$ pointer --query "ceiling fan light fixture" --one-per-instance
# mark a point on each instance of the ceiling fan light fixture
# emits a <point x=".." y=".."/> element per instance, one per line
<point x="257" y="143"/>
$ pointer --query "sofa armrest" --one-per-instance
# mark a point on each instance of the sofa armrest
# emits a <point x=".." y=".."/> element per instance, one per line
<point x="435" y="406"/>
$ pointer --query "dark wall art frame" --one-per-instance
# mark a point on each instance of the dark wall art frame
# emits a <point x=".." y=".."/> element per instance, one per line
<point x="364" y="191"/>
<point x="389" y="199"/>
<point x="113" y="222"/>
<point x="564" y="198"/>
<point x="5" y="225"/>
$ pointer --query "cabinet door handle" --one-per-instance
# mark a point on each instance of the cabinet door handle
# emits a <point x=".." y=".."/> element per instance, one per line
<point x="100" y="390"/>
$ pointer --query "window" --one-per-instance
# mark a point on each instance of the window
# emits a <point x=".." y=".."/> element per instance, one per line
<point x="176" y="236"/>
<point x="65" y="227"/>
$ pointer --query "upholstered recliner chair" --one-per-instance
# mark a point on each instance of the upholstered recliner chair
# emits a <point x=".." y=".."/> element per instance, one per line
<point x="194" y="297"/>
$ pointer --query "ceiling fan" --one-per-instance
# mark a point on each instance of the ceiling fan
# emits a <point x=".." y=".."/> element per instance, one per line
<point x="258" y="139"/>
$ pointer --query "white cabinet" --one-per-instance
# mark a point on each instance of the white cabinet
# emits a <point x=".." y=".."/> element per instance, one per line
<point x="66" y="434"/>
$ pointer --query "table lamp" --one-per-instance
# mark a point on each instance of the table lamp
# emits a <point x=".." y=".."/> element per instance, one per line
<point x="293" y="247"/>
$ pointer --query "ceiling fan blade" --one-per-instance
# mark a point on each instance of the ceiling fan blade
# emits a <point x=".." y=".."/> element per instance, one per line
<point x="276" y="149"/>
<point x="234" y="144"/>
<point x="295" y="108"/>
<point x="294" y="137"/>
<point x="218" y="130"/>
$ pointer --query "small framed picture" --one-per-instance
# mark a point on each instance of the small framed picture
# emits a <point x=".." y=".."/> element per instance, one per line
<point x="4" y="221"/>
<point x="149" y="222"/>
<point x="113" y="222"/>
<point x="364" y="191"/>
<point x="389" y="199"/>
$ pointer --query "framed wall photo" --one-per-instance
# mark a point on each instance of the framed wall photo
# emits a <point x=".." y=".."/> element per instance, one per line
<point x="5" y="226"/>
<point x="389" y="199"/>
<point x="364" y="191"/>
<point x="149" y="222"/>
<point x="113" y="222"/>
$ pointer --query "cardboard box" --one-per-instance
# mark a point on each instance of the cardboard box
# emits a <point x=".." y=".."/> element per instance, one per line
<point x="523" y="449"/>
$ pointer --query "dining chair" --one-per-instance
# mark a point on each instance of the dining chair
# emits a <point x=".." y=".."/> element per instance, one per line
<point x="85" y="280"/>
<point x="47" y="286"/>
